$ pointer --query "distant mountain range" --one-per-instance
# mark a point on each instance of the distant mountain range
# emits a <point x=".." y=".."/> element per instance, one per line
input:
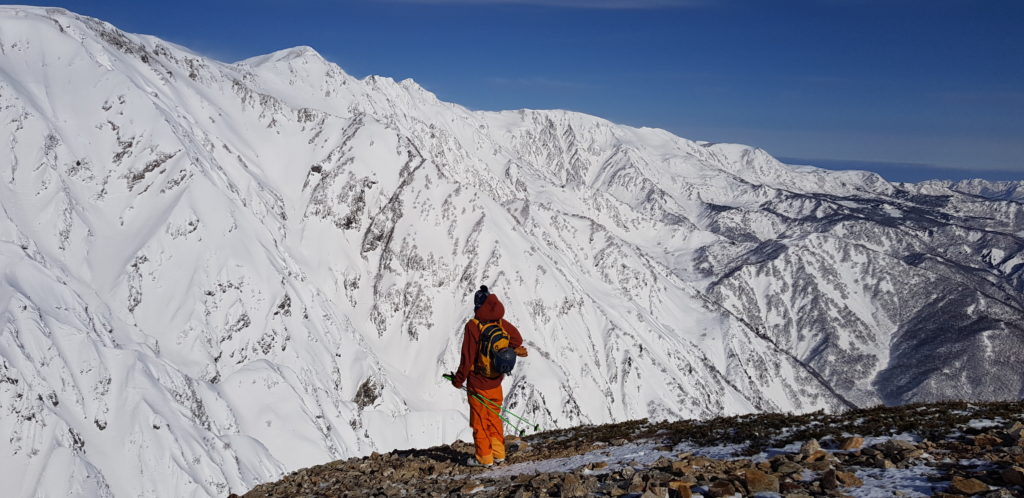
<point x="211" y="274"/>
<point x="912" y="172"/>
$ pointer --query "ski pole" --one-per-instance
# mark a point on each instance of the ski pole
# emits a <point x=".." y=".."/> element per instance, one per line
<point x="507" y="421"/>
<point x="536" y="427"/>
<point x="484" y="402"/>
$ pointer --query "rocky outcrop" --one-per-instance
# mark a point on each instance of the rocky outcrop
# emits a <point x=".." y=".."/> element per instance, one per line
<point x="940" y="443"/>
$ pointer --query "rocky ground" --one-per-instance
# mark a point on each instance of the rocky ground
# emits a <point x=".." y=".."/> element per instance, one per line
<point x="913" y="450"/>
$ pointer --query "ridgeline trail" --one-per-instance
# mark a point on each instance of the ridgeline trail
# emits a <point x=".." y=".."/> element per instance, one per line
<point x="918" y="450"/>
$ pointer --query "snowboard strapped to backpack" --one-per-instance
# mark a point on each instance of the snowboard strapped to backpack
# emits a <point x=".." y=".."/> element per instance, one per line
<point x="496" y="357"/>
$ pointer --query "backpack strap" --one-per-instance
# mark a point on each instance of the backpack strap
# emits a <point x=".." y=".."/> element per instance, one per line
<point x="484" y="363"/>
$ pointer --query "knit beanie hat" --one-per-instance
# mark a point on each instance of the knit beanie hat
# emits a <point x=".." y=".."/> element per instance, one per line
<point x="480" y="297"/>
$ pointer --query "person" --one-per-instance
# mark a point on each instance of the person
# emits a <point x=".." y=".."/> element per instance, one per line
<point x="488" y="431"/>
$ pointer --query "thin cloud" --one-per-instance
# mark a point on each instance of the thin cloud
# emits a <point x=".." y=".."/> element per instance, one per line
<point x="573" y="4"/>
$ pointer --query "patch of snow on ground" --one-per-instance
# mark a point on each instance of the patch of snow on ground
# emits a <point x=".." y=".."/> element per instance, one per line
<point x="793" y="447"/>
<point x="616" y="456"/>
<point x="639" y="454"/>
<point x="870" y="441"/>
<point x="768" y="453"/>
<point x="984" y="423"/>
<point x="977" y="463"/>
<point x="880" y="483"/>
<point x="723" y="452"/>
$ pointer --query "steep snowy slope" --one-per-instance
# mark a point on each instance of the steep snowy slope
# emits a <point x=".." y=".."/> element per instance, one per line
<point x="214" y="273"/>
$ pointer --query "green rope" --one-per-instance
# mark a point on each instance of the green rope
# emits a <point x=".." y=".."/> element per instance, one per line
<point x="485" y="401"/>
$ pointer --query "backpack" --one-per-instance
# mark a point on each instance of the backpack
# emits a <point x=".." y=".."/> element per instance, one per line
<point x="495" y="358"/>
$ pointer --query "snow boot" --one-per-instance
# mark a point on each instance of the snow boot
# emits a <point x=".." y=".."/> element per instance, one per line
<point x="473" y="462"/>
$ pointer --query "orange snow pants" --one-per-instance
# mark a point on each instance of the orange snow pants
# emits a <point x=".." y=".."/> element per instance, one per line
<point x="488" y="432"/>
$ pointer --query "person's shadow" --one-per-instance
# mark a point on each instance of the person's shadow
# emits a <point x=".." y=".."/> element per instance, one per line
<point x="437" y="453"/>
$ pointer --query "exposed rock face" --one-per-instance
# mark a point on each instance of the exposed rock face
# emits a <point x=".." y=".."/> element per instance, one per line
<point x="214" y="273"/>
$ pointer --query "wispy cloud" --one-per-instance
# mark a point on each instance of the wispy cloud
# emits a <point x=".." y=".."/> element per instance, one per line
<point x="573" y="4"/>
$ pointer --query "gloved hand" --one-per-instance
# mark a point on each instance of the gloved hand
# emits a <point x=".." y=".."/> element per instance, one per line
<point x="521" y="351"/>
<point x="451" y="376"/>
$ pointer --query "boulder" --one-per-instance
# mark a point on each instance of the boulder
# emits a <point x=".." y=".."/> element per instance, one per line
<point x="701" y="461"/>
<point x="849" y="479"/>
<point x="852" y="443"/>
<point x="964" y="486"/>
<point x="721" y="488"/>
<point x="910" y="454"/>
<point x="809" y="447"/>
<point x="540" y="482"/>
<point x="1000" y="493"/>
<point x="757" y="481"/>
<point x="655" y="492"/>
<point x="815" y="456"/>
<point x="820" y="466"/>
<point x="1016" y="431"/>
<point x="987" y="440"/>
<point x="682" y="467"/>
<point x="637" y="485"/>
<point x="680" y="489"/>
<point x="883" y="463"/>
<point x="573" y="487"/>
<point x="522" y="493"/>
<point x="834" y="479"/>
<point x="787" y="468"/>
<point x="471" y="487"/>
<point x="790" y="487"/>
<point x="894" y="447"/>
<point x="1013" y="476"/>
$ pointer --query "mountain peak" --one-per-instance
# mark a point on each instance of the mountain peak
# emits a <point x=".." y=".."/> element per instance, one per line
<point x="274" y="243"/>
<point x="285" y="55"/>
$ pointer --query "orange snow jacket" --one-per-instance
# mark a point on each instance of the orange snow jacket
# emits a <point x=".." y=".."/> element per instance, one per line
<point x="490" y="311"/>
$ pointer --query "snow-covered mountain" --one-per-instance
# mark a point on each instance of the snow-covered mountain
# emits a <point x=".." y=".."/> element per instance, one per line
<point x="211" y="273"/>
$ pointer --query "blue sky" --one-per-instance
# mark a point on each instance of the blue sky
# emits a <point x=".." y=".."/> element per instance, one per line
<point x="910" y="88"/>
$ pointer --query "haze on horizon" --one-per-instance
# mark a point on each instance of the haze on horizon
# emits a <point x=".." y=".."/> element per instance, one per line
<point x="912" y="89"/>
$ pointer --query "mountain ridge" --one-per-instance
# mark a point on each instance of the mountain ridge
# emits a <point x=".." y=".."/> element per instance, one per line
<point x="228" y="271"/>
<point x="912" y="450"/>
